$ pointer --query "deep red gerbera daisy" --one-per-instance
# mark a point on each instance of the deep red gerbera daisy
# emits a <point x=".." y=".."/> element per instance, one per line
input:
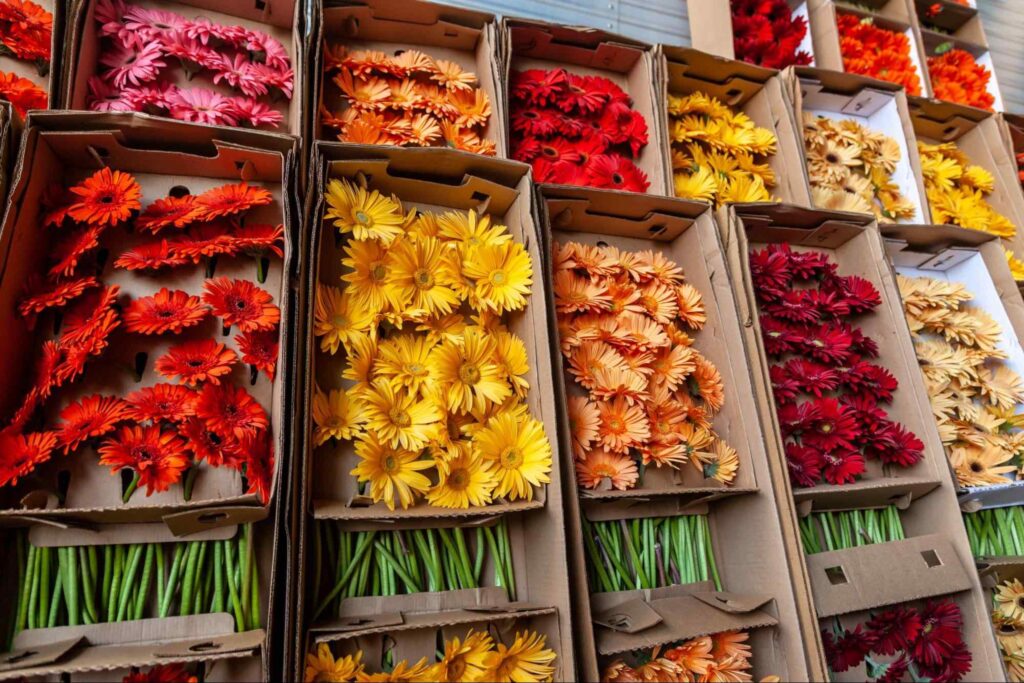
<point x="105" y="198"/>
<point x="865" y="411"/>
<point x="842" y="466"/>
<point x="769" y="268"/>
<point x="200" y="360"/>
<point x="166" y="212"/>
<point x="206" y="239"/>
<point x="804" y="464"/>
<point x="849" y="650"/>
<point x="779" y="336"/>
<point x="22" y="453"/>
<point x="230" y="411"/>
<point x="208" y="445"/>
<point x="829" y="304"/>
<point x="158" y="458"/>
<point x="538" y="86"/>
<point x="259" y="349"/>
<point x="832" y="427"/>
<point x="812" y="378"/>
<point x="797" y="418"/>
<point x="954" y="666"/>
<point x="795" y="306"/>
<point x="860" y="343"/>
<point x="151" y="257"/>
<point x="615" y="172"/>
<point x="785" y="389"/>
<point x="894" y="629"/>
<point x="43" y="294"/>
<point x="161" y="402"/>
<point x="165" y="311"/>
<point x="88" y="417"/>
<point x="259" y="465"/>
<point x="807" y="265"/>
<point x="588" y="148"/>
<point x="164" y="673"/>
<point x="894" y="445"/>
<point x="230" y="199"/>
<point x="860" y="295"/>
<point x="894" y="671"/>
<point x="241" y="303"/>
<point x="868" y="379"/>
<point x="827" y="343"/>
<point x="258" y="237"/>
<point x="940" y="637"/>
<point x="70" y="250"/>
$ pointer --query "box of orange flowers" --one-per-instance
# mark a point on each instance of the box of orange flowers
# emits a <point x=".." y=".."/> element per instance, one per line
<point x="431" y="506"/>
<point x="32" y="53"/>
<point x="406" y="74"/>
<point x="667" y="449"/>
<point x="225" y="64"/>
<point x="146" y="304"/>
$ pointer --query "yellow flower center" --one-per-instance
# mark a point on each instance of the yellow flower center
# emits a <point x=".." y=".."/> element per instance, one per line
<point x="378" y="272"/>
<point x="415" y="369"/>
<point x="389" y="464"/>
<point x="469" y="373"/>
<point x="826" y="428"/>
<point x="399" y="417"/>
<point x="498" y="277"/>
<point x="511" y="457"/>
<point x="363" y="219"/>
<point x="423" y="278"/>
<point x="615" y="424"/>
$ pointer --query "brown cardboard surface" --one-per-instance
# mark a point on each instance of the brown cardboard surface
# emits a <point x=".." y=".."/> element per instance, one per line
<point x="161" y="154"/>
<point x="952" y="18"/>
<point x="755" y="91"/>
<point x="277" y="18"/>
<point x="745" y="524"/>
<point x="463" y="36"/>
<point x="591" y="52"/>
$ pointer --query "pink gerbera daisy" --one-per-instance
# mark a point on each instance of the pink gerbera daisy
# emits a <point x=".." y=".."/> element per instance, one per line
<point x="191" y="52"/>
<point x="273" y="52"/>
<point x="238" y="73"/>
<point x="106" y="97"/>
<point x="157" y="94"/>
<point x="254" y="113"/>
<point x="110" y="17"/>
<point x="135" y="64"/>
<point x="200" y="105"/>
<point x="152" y="23"/>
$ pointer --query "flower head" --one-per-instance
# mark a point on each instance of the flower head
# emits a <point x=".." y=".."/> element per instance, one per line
<point x="167" y="212"/>
<point x="323" y="666"/>
<point x="165" y="311"/>
<point x="230" y="199"/>
<point x="22" y="453"/>
<point x="87" y="418"/>
<point x="161" y="402"/>
<point x="337" y="415"/>
<point x="157" y="457"/>
<point x="200" y="360"/>
<point x="466" y="479"/>
<point x="394" y="473"/>
<point x="241" y="303"/>
<point x="527" y="659"/>
<point x="230" y="411"/>
<point x="105" y="198"/>
<point x="520" y="450"/>
<point x="260" y="349"/>
<point x="368" y="215"/>
<point x="200" y="105"/>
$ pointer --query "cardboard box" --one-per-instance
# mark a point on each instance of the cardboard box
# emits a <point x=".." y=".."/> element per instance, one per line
<point x="753" y="90"/>
<point x="741" y="523"/>
<point x="711" y="31"/>
<point x="106" y="651"/>
<point x="529" y="44"/>
<point x="432" y="178"/>
<point x="975" y="259"/>
<point x="161" y="154"/>
<point x="49" y="79"/>
<point x="852" y="242"/>
<point x="282" y="20"/>
<point x="463" y="36"/>
<point x="878" y="105"/>
<point x="986" y="142"/>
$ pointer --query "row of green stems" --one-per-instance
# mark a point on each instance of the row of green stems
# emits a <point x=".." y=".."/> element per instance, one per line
<point x="823" y="531"/>
<point x="353" y="564"/>
<point x="998" y="532"/>
<point x="649" y="553"/>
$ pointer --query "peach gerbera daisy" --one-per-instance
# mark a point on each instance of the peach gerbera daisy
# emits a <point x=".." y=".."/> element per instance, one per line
<point x="590" y="357"/>
<point x="622" y="425"/>
<point x="709" y="383"/>
<point x="599" y="465"/>
<point x="661" y="268"/>
<point x="690" y="306"/>
<point x="576" y="294"/>
<point x="584" y="421"/>
<point x="659" y="301"/>
<point x="672" y="365"/>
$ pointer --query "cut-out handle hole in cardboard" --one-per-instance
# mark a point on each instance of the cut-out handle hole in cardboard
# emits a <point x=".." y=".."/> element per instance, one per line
<point x="836" y="576"/>
<point x="15" y="658"/>
<point x="179" y="191"/>
<point x="733" y="97"/>
<point x="205" y="647"/>
<point x="950" y="133"/>
<point x="212" y="517"/>
<point x="656" y="230"/>
<point x="931" y="558"/>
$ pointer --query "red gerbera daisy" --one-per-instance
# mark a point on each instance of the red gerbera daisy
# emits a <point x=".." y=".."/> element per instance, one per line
<point x="785" y="389"/>
<point x="615" y="172"/>
<point x="230" y="199"/>
<point x="832" y="426"/>
<point x="807" y="265"/>
<point x="868" y="379"/>
<point x="91" y="317"/>
<point x="41" y="295"/>
<point x="32" y="400"/>
<point x="849" y="650"/>
<point x="779" y="336"/>
<point x="197" y="361"/>
<point x="161" y="402"/>
<point x="72" y="248"/>
<point x="954" y="666"/>
<point x="207" y="239"/>
<point x="230" y="411"/>
<point x="208" y="445"/>
<point x="87" y="418"/>
<point x="158" y="458"/>
<point x="259" y="465"/>
<point x="804" y="464"/>
<point x="49" y="359"/>
<point x="811" y="377"/>
<point x="105" y="198"/>
<point x="259" y="349"/>
<point x="56" y="201"/>
<point x="797" y="418"/>
<point x="860" y="294"/>
<point x="22" y="453"/>
<point x="151" y="257"/>
<point x="165" y="311"/>
<point x="894" y="445"/>
<point x="894" y="671"/>
<point x="583" y="94"/>
<point x="241" y="303"/>
<point x="166" y="212"/>
<point x="941" y="622"/>
<point x="794" y="305"/>
<point x="865" y="411"/>
<point x="538" y="86"/>
<point x="260" y="236"/>
<point x="769" y="268"/>
<point x="828" y="343"/>
<point x="894" y="629"/>
<point x="164" y="673"/>
<point x="860" y="343"/>
<point x="842" y="466"/>
<point x="829" y="304"/>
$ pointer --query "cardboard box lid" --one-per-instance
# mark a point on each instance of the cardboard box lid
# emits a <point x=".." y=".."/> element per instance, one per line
<point x="770" y="222"/>
<point x="710" y="67"/>
<point x="871" y="576"/>
<point x="419" y="12"/>
<point x="943" y="121"/>
<point x="843" y="82"/>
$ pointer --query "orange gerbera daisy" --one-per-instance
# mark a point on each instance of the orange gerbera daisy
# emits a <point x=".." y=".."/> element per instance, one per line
<point x="671" y="366"/>
<point x="587" y="359"/>
<point x="41" y="295"/>
<point x="241" y="303"/>
<point x="150" y="257"/>
<point x="691" y="306"/>
<point x="161" y="402"/>
<point x="158" y="458"/>
<point x="707" y="383"/>
<point x="230" y="411"/>
<point x="666" y="416"/>
<point x="452" y="76"/>
<point x="257" y="237"/>
<point x="642" y="331"/>
<point x="631" y="264"/>
<point x="227" y="200"/>
<point x="105" y="198"/>
<point x="204" y="239"/>
<point x="22" y="453"/>
<point x="72" y="248"/>
<point x="88" y="418"/>
<point x="693" y="656"/>
<point x="165" y="311"/>
<point x="583" y="424"/>
<point x="671" y="453"/>
<point x="622" y="425"/>
<point x="625" y="297"/>
<point x="259" y="349"/>
<point x="730" y="644"/>
<point x="659" y="301"/>
<point x="600" y="464"/>
<point x="167" y="212"/>
<point x="611" y="383"/>
<point x="91" y="319"/>
<point x="197" y="361"/>
<point x="363" y="93"/>
<point x="259" y="465"/>
<point x="210" y="446"/>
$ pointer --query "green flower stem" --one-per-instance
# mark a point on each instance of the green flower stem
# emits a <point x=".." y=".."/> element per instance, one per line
<point x="55" y="601"/>
<point x="246" y="565"/>
<point x="188" y="580"/>
<point x="510" y="572"/>
<point x="161" y="576"/>
<point x="131" y="488"/>
<point x="361" y="547"/>
<point x="218" y="578"/>
<point x="478" y="561"/>
<point x="255" y="617"/>
<point x="71" y="587"/>
<point x="172" y="581"/>
<point x="629" y="535"/>
<point x="229" y="566"/>
<point x="134" y="560"/>
<point x="147" y="577"/>
<point x="91" y="614"/>
<point x="596" y="564"/>
<point x="499" y="569"/>
<point x="36" y="561"/>
<point x="44" y="588"/>
<point x="424" y="550"/>
<point x="108" y="577"/>
<point x="391" y="561"/>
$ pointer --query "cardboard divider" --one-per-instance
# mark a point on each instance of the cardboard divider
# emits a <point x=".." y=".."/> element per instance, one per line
<point x="743" y="522"/>
<point x="631" y="65"/>
<point x="466" y="37"/>
<point x="161" y="154"/>
<point x="952" y="18"/>
<point x="50" y="78"/>
<point x="753" y="90"/>
<point x="280" y="19"/>
<point x="877" y="105"/>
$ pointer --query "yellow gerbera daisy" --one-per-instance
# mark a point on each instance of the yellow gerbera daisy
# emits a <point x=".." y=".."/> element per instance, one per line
<point x="404" y="360"/>
<point x="521" y="451"/>
<point x="510" y="353"/>
<point x="468" y="373"/>
<point x="471" y="230"/>
<point x="362" y="354"/>
<point x="420" y="672"/>
<point x="398" y="418"/>
<point x="443" y="328"/>
<point x="503" y="274"/>
<point x="324" y="668"/>
<point x="466" y="479"/>
<point x="744" y="187"/>
<point x="369" y="281"/>
<point x="336" y="416"/>
<point x="465" y="660"/>
<point x="393" y="473"/>
<point x="423" y="277"/>
<point x="525" y="661"/>
<point x="338" y="319"/>
<point x="700" y="185"/>
<point x="1016" y="265"/>
<point x="368" y="215"/>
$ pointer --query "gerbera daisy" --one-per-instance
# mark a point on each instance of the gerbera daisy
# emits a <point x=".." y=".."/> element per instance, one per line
<point x="832" y="427"/>
<point x="242" y="304"/>
<point x="405" y="361"/>
<point x="22" y="453"/>
<point x="230" y="199"/>
<point x="209" y="446"/>
<point x="465" y="660"/>
<point x="467" y="479"/>
<point x="584" y="422"/>
<point x="200" y="105"/>
<point x="527" y="659"/>
<point x="163" y="673"/>
<point x="598" y="465"/>
<point x="941" y="624"/>
<point x="161" y="402"/>
<point x="724" y="465"/>
<point x="369" y="281"/>
<point x="466" y="370"/>
<point x="70" y="250"/>
<point x="258" y="237"/>
<point x="89" y="417"/>
<point x="165" y="311"/>
<point x="521" y="452"/>
<point x="338" y="319"/>
<point x="105" y="198"/>
<point x="842" y="466"/>
<point x="894" y="629"/>
<point x="166" y="212"/>
<point x="393" y="473"/>
<point x="615" y="172"/>
<point x="322" y="666"/>
<point x="421" y="272"/>
<point x="158" y="458"/>
<point x="136" y="62"/>
<point x="199" y="360"/>
<point x="260" y="350"/>
<point x="41" y="294"/>
<point x="981" y="465"/>
<point x="91" y="319"/>
<point x="804" y="464"/>
<point x="230" y="411"/>
<point x="367" y="214"/>
<point x="150" y="257"/>
<point x="578" y="294"/>
<point x="397" y="418"/>
<point x="204" y="239"/>
<point x="503" y="275"/>
<point x="337" y="416"/>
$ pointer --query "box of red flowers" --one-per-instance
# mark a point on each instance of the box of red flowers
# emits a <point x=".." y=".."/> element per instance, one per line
<point x="584" y="107"/>
<point x="774" y="34"/>
<point x="224" y="64"/>
<point x="146" y="303"/>
<point x="32" y="53"/>
<point x="410" y="74"/>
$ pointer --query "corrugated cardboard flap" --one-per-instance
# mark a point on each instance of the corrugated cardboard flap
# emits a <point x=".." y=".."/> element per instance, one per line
<point x="426" y="13"/>
<point x="936" y="247"/>
<point x="945" y="121"/>
<point x="842" y="82"/>
<point x="712" y="68"/>
<point x="31" y="657"/>
<point x="769" y="222"/>
<point x="845" y="581"/>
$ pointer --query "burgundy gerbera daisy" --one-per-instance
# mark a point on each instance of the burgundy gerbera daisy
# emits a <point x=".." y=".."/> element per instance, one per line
<point x="779" y="336"/>
<point x="865" y="378"/>
<point x="827" y="343"/>
<point x="811" y="377"/>
<point x="862" y="344"/>
<point x="939" y="638"/>
<point x="808" y="265"/>
<point x="829" y="304"/>
<point x="804" y="464"/>
<point x="954" y="666"/>
<point x="895" y="670"/>
<point x="849" y="650"/>
<point x="797" y="418"/>
<point x="860" y="295"/>
<point x="900" y="447"/>
<point x="795" y="306"/>
<point x="894" y="629"/>
<point x="785" y="389"/>
<point x="770" y="268"/>
<point x="832" y="426"/>
<point x="865" y="411"/>
<point x="842" y="466"/>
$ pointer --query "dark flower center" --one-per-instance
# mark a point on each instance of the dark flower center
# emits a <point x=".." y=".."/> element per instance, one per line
<point x="194" y="363"/>
<point x="107" y="199"/>
<point x="618" y="179"/>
